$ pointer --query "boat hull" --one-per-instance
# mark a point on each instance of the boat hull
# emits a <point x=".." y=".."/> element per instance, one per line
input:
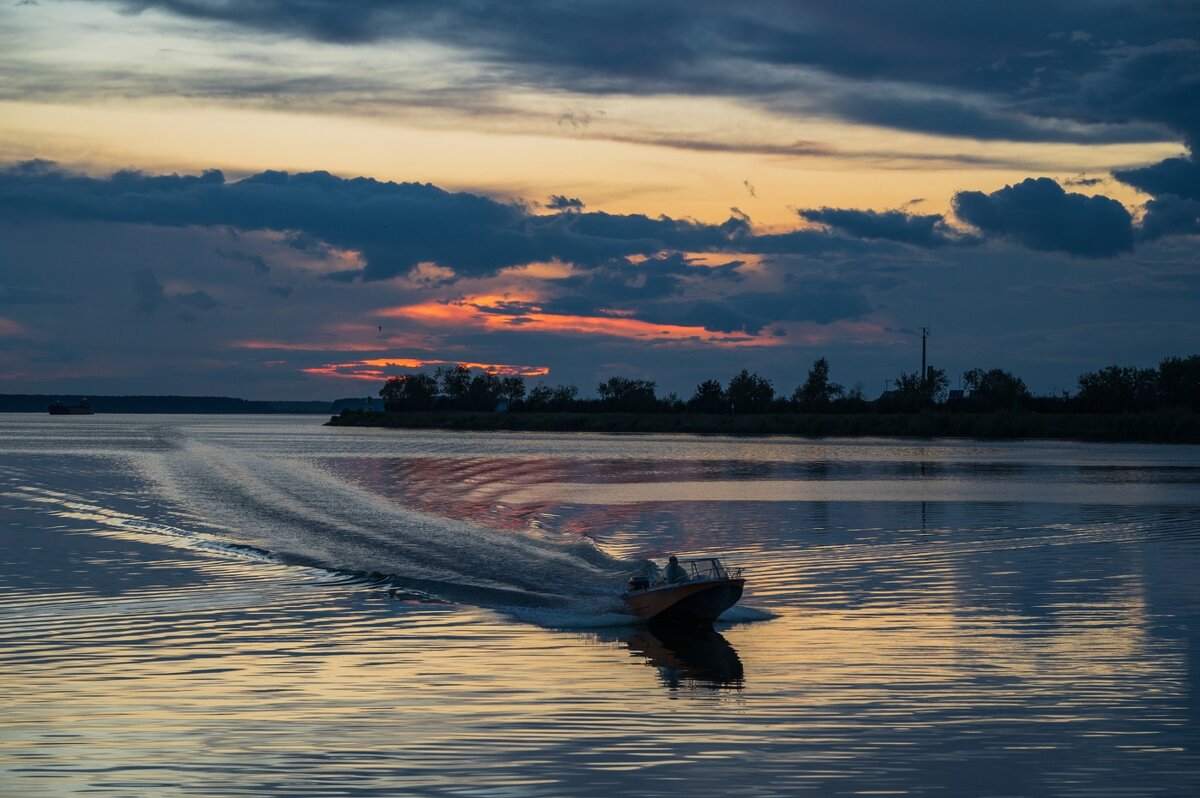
<point x="685" y="603"/>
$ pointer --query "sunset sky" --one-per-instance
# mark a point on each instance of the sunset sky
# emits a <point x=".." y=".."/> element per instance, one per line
<point x="275" y="199"/>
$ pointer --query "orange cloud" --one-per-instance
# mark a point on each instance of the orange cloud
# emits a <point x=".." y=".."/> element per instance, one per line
<point x="376" y="369"/>
<point x="541" y="270"/>
<point x="480" y="312"/>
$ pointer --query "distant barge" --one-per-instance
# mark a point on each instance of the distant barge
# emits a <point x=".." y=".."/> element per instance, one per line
<point x="81" y="409"/>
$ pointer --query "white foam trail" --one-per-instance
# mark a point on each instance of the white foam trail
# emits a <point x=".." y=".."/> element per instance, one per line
<point x="303" y="514"/>
<point x="200" y="541"/>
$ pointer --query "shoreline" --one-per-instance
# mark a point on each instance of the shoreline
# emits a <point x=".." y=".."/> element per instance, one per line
<point x="1154" y="427"/>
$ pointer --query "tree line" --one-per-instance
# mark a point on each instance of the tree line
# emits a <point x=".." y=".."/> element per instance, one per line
<point x="1175" y="383"/>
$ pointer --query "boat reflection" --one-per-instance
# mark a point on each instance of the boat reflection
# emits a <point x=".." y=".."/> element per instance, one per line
<point x="688" y="657"/>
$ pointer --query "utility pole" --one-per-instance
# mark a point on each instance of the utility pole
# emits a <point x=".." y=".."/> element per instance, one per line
<point x="924" y="368"/>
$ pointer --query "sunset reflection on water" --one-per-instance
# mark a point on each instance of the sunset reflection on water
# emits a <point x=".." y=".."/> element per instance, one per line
<point x="997" y="643"/>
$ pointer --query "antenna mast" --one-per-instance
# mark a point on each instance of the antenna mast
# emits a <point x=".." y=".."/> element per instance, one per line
<point x="924" y="369"/>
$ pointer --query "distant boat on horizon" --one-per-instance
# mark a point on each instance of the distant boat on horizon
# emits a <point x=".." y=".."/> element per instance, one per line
<point x="81" y="409"/>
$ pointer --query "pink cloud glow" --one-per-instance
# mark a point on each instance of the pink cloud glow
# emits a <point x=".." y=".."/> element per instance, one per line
<point x="377" y="369"/>
<point x="476" y="312"/>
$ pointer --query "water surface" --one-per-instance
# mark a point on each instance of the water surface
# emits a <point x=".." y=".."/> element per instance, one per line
<point x="259" y="605"/>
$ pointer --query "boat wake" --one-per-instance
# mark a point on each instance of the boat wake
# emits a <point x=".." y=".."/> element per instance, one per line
<point x="303" y="514"/>
<point x="240" y="499"/>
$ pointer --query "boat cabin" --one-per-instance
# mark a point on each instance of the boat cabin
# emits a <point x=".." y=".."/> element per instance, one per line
<point x="700" y="569"/>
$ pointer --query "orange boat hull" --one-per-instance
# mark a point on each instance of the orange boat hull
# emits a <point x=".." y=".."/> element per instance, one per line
<point x="685" y="602"/>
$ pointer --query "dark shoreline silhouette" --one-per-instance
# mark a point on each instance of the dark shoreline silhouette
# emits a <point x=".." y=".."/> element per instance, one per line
<point x="1160" y="405"/>
<point x="1162" y="426"/>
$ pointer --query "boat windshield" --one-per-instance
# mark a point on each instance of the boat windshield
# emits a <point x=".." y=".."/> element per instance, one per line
<point x="703" y="568"/>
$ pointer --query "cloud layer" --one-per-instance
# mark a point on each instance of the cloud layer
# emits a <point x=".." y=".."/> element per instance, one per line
<point x="1039" y="214"/>
<point x="173" y="279"/>
<point x="394" y="226"/>
<point x="1053" y="70"/>
<point x="819" y="118"/>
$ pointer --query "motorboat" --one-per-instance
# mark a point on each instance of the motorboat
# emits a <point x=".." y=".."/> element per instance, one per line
<point x="698" y="591"/>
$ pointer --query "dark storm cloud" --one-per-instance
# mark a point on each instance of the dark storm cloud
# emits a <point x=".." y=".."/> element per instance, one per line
<point x="558" y="202"/>
<point x="749" y="312"/>
<point x="395" y="226"/>
<point x="1178" y="176"/>
<point x="618" y="257"/>
<point x="822" y="302"/>
<point x="1038" y="214"/>
<point x="631" y="286"/>
<point x="997" y="68"/>
<point x="332" y="20"/>
<point x="1170" y="215"/>
<point x="1175" y="184"/>
<point x="1157" y="83"/>
<point x="928" y="230"/>
<point x="650" y="290"/>
<point x="658" y="291"/>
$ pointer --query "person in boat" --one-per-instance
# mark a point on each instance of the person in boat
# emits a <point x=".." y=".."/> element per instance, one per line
<point x="675" y="572"/>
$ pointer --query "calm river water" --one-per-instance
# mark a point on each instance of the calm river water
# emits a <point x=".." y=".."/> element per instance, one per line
<point x="211" y="606"/>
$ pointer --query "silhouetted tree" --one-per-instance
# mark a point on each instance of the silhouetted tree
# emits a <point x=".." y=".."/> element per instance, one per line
<point x="625" y="395"/>
<point x="853" y="400"/>
<point x="563" y="397"/>
<point x="409" y="392"/>
<point x="709" y="397"/>
<point x="543" y="398"/>
<point x="539" y="398"/>
<point x="1117" y="389"/>
<point x="455" y="382"/>
<point x="483" y="392"/>
<point x="1179" y="382"/>
<point x="392" y="393"/>
<point x="914" y="391"/>
<point x="995" y="389"/>
<point x="512" y="388"/>
<point x="749" y="393"/>
<point x="817" y="391"/>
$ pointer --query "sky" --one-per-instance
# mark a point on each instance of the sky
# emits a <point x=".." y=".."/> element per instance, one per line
<point x="296" y="199"/>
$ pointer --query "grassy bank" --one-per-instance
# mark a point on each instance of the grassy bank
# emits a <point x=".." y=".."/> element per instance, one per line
<point x="1155" y="427"/>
